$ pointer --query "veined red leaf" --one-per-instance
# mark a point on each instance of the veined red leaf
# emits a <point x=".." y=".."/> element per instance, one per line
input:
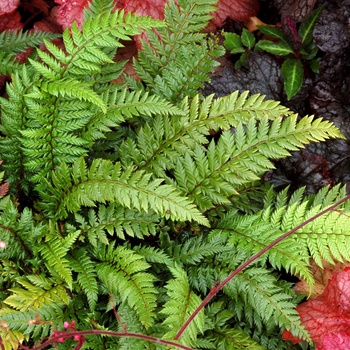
<point x="238" y="10"/>
<point x="329" y="313"/>
<point x="331" y="341"/>
<point x="7" y="6"/>
<point x="70" y="11"/>
<point x="152" y="8"/>
<point x="10" y="21"/>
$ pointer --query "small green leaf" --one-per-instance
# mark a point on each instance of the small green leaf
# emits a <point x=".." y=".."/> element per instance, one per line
<point x="248" y="39"/>
<point x="233" y="43"/>
<point x="315" y="65"/>
<point x="293" y="74"/>
<point x="242" y="60"/>
<point x="309" y="52"/>
<point x="279" y="49"/>
<point x="274" y="33"/>
<point x="307" y="27"/>
<point x="238" y="64"/>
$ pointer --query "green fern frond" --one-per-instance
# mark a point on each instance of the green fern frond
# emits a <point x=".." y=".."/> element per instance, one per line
<point x="252" y="233"/>
<point x="194" y="250"/>
<point x="221" y="335"/>
<point x="154" y="255"/>
<point x="54" y="253"/>
<point x="123" y="273"/>
<point x="19" y="231"/>
<point x="45" y="148"/>
<point x="259" y="288"/>
<point x="114" y="219"/>
<point x="31" y="296"/>
<point x="178" y="59"/>
<point x="164" y="139"/>
<point x="234" y="339"/>
<point x="73" y="77"/>
<point x="181" y="304"/>
<point x="78" y="186"/>
<point x="90" y="48"/>
<point x="228" y="111"/>
<point x="326" y="237"/>
<point x="197" y="16"/>
<point x="130" y="317"/>
<point x="13" y="120"/>
<point x="240" y="157"/>
<point x="73" y="89"/>
<point x="126" y="105"/>
<point x="32" y="321"/>
<point x="8" y="64"/>
<point x="97" y="7"/>
<point x="157" y="145"/>
<point x="82" y="264"/>
<point x="18" y="41"/>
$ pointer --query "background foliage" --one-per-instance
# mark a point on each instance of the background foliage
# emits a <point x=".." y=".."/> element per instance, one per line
<point x="129" y="201"/>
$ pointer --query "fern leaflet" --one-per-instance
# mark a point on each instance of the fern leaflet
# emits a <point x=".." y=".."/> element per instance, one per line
<point x="104" y="181"/>
<point x="123" y="272"/>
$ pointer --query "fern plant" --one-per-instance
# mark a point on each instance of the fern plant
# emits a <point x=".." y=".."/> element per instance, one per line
<point x="124" y="213"/>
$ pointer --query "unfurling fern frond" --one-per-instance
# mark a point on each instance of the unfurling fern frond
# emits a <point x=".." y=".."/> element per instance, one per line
<point x="104" y="181"/>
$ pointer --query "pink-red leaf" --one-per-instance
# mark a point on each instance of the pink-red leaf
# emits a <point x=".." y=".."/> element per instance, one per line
<point x="10" y="21"/>
<point x="70" y="11"/>
<point x="238" y="10"/>
<point x="331" y="341"/>
<point x="7" y="6"/>
<point x="152" y="8"/>
<point x="329" y="313"/>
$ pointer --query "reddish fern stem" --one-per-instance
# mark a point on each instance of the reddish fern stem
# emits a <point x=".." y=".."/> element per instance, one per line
<point x="57" y="336"/>
<point x="216" y="288"/>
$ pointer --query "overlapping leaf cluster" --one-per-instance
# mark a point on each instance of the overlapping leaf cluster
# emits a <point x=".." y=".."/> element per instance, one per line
<point x="121" y="200"/>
